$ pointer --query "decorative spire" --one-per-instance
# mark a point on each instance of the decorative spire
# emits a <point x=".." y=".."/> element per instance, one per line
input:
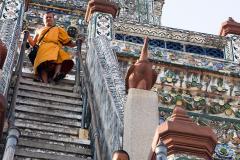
<point x="182" y="136"/>
<point x="230" y="27"/>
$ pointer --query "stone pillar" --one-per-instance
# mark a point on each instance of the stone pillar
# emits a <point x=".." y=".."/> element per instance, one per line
<point x="12" y="140"/>
<point x="99" y="15"/>
<point x="184" y="138"/>
<point x="231" y="29"/>
<point x="140" y="122"/>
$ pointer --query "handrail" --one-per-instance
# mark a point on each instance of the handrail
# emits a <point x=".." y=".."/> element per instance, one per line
<point x="17" y="74"/>
<point x="13" y="132"/>
<point x="90" y="100"/>
<point x="108" y="91"/>
<point x="10" y="33"/>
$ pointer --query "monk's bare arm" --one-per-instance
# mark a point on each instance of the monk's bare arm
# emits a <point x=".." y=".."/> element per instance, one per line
<point x="32" y="41"/>
<point x="74" y="44"/>
<point x="71" y="44"/>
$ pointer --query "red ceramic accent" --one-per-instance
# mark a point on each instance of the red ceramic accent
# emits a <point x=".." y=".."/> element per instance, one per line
<point x="181" y="135"/>
<point x="141" y="75"/>
<point x="103" y="6"/>
<point x="230" y="27"/>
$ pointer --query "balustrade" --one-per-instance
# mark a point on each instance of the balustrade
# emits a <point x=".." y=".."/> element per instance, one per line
<point x="11" y="25"/>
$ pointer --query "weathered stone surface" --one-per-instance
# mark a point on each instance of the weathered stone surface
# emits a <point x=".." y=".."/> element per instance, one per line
<point x="46" y="118"/>
<point x="49" y="118"/>
<point x="50" y="112"/>
<point x="48" y="97"/>
<point x="140" y="122"/>
<point x="51" y="145"/>
<point x="48" y="156"/>
<point x="31" y="133"/>
<point x="48" y="104"/>
<point x="49" y="91"/>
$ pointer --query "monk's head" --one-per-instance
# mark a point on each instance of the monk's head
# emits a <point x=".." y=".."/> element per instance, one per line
<point x="120" y="155"/>
<point x="48" y="19"/>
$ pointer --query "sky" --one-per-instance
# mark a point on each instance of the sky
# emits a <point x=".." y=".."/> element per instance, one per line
<point x="199" y="15"/>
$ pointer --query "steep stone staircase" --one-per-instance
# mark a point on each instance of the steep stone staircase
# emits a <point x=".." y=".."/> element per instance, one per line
<point x="49" y="118"/>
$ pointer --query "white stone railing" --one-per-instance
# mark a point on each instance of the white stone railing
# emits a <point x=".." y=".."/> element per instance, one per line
<point x="109" y="94"/>
<point x="10" y="30"/>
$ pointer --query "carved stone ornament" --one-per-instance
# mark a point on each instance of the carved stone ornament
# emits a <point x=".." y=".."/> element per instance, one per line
<point x="141" y="75"/>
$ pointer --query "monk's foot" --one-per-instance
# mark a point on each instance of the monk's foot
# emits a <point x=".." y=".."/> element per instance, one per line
<point x="37" y="79"/>
<point x="58" y="77"/>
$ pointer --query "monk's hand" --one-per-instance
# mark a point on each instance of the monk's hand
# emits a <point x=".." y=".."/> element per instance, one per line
<point x="81" y="38"/>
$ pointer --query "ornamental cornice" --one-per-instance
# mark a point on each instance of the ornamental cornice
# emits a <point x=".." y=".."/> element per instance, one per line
<point x="66" y="7"/>
<point x="199" y="63"/>
<point x="161" y="32"/>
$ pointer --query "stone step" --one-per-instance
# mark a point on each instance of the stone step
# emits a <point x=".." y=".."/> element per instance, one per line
<point x="24" y="158"/>
<point x="43" y="85"/>
<point x="46" y="118"/>
<point x="48" y="90"/>
<point x="62" y="82"/>
<point x="48" y="127"/>
<point x="29" y="65"/>
<point x="55" y="146"/>
<point x="48" y="104"/>
<point x="45" y="94"/>
<point x="42" y="96"/>
<point x="49" y="112"/>
<point x="30" y="71"/>
<point x="58" y="137"/>
<point x="40" y="154"/>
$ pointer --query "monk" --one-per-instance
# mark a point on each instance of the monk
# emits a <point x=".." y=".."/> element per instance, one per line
<point x="52" y="62"/>
<point x="141" y="75"/>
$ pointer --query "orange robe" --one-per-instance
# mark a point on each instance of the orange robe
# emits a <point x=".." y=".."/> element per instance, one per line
<point x="50" y="48"/>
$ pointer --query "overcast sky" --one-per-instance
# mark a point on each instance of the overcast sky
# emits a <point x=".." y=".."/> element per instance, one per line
<point x="199" y="15"/>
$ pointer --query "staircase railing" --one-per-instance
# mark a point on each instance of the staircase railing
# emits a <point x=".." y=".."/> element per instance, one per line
<point x="103" y="90"/>
<point x="13" y="132"/>
<point x="109" y="94"/>
<point x="87" y="96"/>
<point x="10" y="31"/>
